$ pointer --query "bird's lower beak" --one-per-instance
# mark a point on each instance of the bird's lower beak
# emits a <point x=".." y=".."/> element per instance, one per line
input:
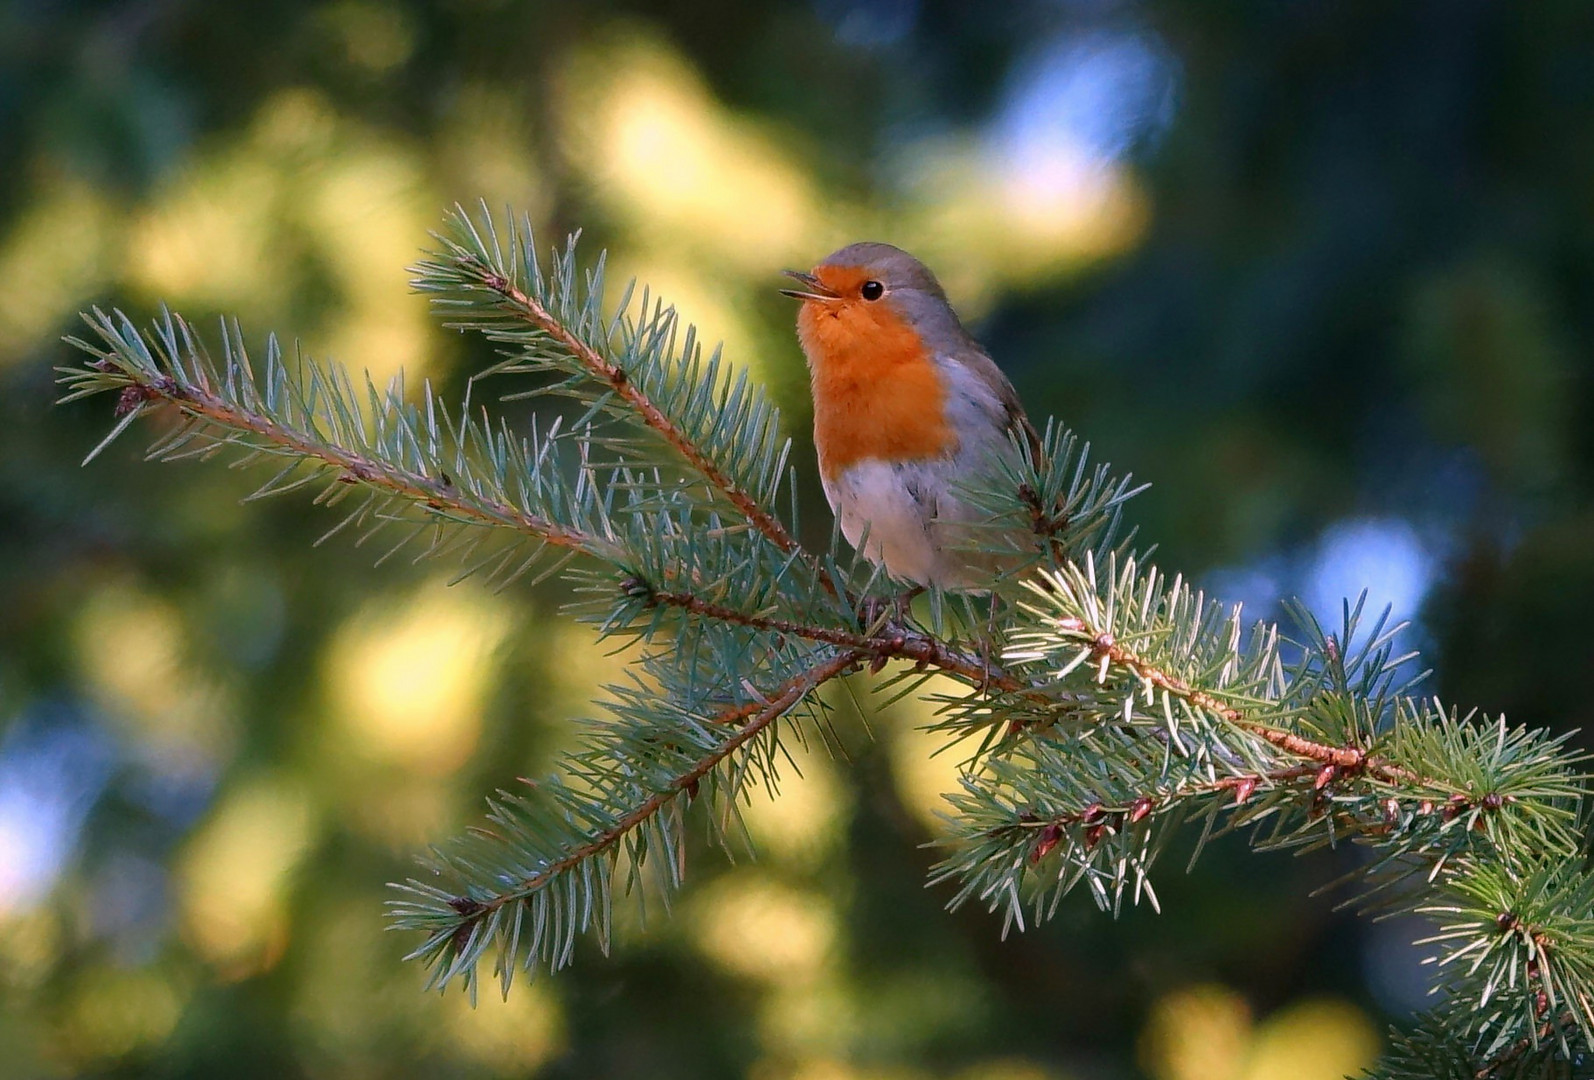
<point x="817" y="290"/>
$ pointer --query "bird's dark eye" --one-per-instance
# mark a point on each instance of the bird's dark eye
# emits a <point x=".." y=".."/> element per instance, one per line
<point x="872" y="290"/>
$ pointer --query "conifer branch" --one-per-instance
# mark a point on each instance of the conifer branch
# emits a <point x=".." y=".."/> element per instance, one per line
<point x="892" y="641"/>
<point x="1108" y="654"/>
<point x="724" y="430"/>
<point x="1124" y="705"/>
<point x="566" y="846"/>
<point x="1474" y="823"/>
<point x="192" y="390"/>
<point x="616" y="378"/>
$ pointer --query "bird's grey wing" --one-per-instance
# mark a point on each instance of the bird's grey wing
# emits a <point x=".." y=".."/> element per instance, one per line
<point x="985" y="369"/>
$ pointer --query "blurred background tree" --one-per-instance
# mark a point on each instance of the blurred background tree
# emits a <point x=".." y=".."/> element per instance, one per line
<point x="1319" y="272"/>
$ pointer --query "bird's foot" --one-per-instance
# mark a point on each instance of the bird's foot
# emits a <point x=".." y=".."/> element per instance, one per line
<point x="875" y="613"/>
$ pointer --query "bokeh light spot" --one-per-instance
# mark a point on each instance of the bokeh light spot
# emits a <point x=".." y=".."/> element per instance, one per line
<point x="813" y="1022"/>
<point x="926" y="769"/>
<point x="208" y="238"/>
<point x="133" y="650"/>
<point x="1385" y="556"/>
<point x="30" y="942"/>
<point x="52" y="769"/>
<point x="511" y="1036"/>
<point x="235" y="873"/>
<point x="375" y="38"/>
<point x="1317" y="1039"/>
<point x="114" y="1012"/>
<point x="408" y="681"/>
<point x="54" y="255"/>
<point x="757" y="928"/>
<point x="369" y="210"/>
<point x="1207" y="1033"/>
<point x="488" y="153"/>
<point x="1197" y="1033"/>
<point x="678" y="166"/>
<point x="303" y="191"/>
<point x="804" y="822"/>
<point x="1006" y="1069"/>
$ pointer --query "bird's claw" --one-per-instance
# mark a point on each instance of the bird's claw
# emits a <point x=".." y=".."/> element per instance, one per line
<point x="875" y="613"/>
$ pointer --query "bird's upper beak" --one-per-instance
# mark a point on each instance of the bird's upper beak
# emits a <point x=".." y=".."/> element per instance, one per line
<point x="817" y="290"/>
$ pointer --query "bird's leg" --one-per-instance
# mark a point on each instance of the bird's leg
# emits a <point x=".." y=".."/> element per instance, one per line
<point x="878" y="614"/>
<point x="903" y="600"/>
<point x="988" y="642"/>
<point x="873" y="610"/>
<point x="885" y="615"/>
<point x="872" y="613"/>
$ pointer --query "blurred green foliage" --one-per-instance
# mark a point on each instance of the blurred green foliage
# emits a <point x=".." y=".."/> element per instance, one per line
<point x="1318" y="271"/>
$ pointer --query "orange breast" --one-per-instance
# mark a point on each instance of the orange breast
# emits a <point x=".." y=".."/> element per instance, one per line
<point x="876" y="392"/>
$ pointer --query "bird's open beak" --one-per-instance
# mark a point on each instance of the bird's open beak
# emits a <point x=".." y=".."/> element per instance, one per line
<point x="817" y="290"/>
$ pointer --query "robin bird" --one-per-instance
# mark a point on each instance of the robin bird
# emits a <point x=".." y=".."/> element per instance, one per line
<point x="907" y="410"/>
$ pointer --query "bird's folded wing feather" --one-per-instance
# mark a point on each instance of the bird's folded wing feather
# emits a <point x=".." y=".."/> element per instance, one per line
<point x="985" y="369"/>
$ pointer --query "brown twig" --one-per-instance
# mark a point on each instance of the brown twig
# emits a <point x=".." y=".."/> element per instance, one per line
<point x="1334" y="761"/>
<point x="1098" y="819"/>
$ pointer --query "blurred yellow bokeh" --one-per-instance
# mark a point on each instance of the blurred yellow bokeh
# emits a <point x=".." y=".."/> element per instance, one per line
<point x="370" y="210"/>
<point x="1314" y="1039"/>
<point x="1208" y="1033"/>
<point x="802" y="824"/>
<point x="985" y="231"/>
<point x="1005" y="1069"/>
<point x="680" y="169"/>
<point x="132" y="646"/>
<point x="1198" y="1033"/>
<point x="830" y="1068"/>
<point x="488" y="154"/>
<point x="30" y="941"/>
<point x="826" y="1068"/>
<point x="813" y="1024"/>
<point x="212" y="238"/>
<point x="303" y="190"/>
<point x="55" y="255"/>
<point x="373" y="37"/>
<point x="407" y="680"/>
<point x="513" y="1036"/>
<point x="576" y="666"/>
<point x="116" y="1011"/>
<point x="758" y="928"/>
<point x="236" y="869"/>
<point x="925" y="765"/>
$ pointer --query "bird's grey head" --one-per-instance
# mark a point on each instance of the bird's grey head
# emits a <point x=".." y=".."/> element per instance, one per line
<point x="872" y="272"/>
<point x="890" y="265"/>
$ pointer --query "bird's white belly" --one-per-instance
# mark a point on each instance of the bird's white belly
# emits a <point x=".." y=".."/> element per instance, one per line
<point x="918" y="526"/>
<point x="905" y="517"/>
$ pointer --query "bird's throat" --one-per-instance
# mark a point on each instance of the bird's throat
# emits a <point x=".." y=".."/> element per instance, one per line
<point x="877" y="392"/>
